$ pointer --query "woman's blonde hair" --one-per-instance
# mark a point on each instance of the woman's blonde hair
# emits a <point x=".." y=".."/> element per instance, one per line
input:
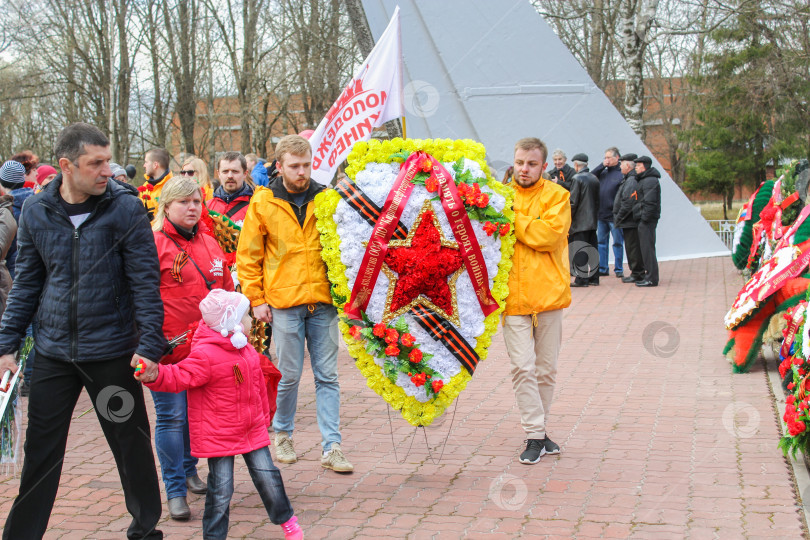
<point x="178" y="187"/>
<point x="200" y="171"/>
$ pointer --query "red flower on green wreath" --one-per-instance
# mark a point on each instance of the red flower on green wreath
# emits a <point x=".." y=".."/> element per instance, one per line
<point x="419" y="379"/>
<point x="391" y="335"/>
<point x="397" y="347"/>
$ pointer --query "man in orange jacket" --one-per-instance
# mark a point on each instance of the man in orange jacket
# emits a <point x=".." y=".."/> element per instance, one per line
<point x="282" y="274"/>
<point x="539" y="289"/>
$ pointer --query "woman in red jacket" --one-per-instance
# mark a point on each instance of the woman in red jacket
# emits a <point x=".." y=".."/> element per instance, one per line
<point x="191" y="264"/>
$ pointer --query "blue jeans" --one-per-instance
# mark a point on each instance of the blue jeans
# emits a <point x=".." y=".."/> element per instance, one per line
<point x="319" y="327"/>
<point x="603" y="231"/>
<point x="172" y="442"/>
<point x="267" y="479"/>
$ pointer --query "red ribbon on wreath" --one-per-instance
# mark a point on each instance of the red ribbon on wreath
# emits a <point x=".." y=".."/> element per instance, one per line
<point x="392" y="211"/>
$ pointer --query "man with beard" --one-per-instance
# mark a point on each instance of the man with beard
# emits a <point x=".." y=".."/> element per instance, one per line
<point x="647" y="211"/>
<point x="282" y="274"/>
<point x="233" y="195"/>
<point x="626" y="199"/>
<point x="539" y="289"/>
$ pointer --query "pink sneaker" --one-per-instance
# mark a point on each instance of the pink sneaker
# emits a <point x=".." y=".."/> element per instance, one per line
<point x="292" y="530"/>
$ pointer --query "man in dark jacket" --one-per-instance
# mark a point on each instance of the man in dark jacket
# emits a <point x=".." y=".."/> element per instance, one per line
<point x="562" y="173"/>
<point x="626" y="199"/>
<point x="88" y="267"/>
<point x="610" y="176"/>
<point x="647" y="211"/>
<point x="582" y="248"/>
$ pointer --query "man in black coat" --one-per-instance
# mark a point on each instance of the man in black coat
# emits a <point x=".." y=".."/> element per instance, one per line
<point x="582" y="244"/>
<point x="88" y="267"/>
<point x="562" y="173"/>
<point x="647" y="211"/>
<point x="626" y="199"/>
<point x="610" y="176"/>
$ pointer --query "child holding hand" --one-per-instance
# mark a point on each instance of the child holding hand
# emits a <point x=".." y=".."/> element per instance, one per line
<point x="228" y="411"/>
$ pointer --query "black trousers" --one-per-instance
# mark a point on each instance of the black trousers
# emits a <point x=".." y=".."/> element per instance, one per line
<point x="583" y="249"/>
<point x="633" y="248"/>
<point x="119" y="404"/>
<point x="646" y="238"/>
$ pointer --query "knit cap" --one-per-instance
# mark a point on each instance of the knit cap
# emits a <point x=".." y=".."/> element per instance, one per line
<point x="44" y="171"/>
<point x="222" y="311"/>
<point x="12" y="174"/>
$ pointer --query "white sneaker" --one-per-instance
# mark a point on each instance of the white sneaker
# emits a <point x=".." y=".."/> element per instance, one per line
<point x="285" y="452"/>
<point x="335" y="460"/>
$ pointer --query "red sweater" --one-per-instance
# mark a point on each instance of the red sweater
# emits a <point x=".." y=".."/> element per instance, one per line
<point x="181" y="300"/>
<point x="225" y="417"/>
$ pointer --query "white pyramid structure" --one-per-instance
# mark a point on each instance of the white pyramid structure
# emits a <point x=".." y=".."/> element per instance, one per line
<point x="494" y="71"/>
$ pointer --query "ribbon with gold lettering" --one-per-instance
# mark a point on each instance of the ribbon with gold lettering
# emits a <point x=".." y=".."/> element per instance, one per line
<point x="465" y="236"/>
<point x="793" y="326"/>
<point x="378" y="244"/>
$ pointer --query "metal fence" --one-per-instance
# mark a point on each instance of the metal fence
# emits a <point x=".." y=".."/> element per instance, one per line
<point x="724" y="229"/>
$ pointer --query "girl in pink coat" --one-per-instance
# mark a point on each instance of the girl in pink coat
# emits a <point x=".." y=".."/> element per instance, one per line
<point x="228" y="412"/>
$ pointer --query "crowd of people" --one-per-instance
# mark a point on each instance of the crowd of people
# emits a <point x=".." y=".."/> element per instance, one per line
<point x="109" y="278"/>
<point x="619" y="199"/>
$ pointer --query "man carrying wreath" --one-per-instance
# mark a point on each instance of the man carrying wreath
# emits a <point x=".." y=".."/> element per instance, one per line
<point x="281" y="271"/>
<point x="539" y="289"/>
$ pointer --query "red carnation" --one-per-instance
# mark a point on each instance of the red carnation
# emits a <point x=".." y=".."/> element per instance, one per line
<point x="418" y="379"/>
<point x="437" y="385"/>
<point x="790" y="399"/>
<point x="355" y="332"/>
<point x="379" y="330"/>
<point x="490" y="228"/>
<point x="427" y="165"/>
<point x="431" y="184"/>
<point x="483" y="200"/>
<point x="415" y="356"/>
<point x="408" y="340"/>
<point x="391" y="335"/>
<point x="504" y="229"/>
<point x="795" y="428"/>
<point x="392" y="350"/>
<point x="791" y="386"/>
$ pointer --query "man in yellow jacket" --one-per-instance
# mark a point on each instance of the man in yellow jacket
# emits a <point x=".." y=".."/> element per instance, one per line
<point x="539" y="289"/>
<point x="279" y="266"/>
<point x="157" y="173"/>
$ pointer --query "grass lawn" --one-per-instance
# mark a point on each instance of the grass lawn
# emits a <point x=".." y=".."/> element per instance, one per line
<point x="714" y="210"/>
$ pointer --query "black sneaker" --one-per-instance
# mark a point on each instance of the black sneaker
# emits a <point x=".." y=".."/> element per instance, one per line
<point x="619" y="274"/>
<point x="550" y="446"/>
<point x="534" y="451"/>
<point x="603" y="274"/>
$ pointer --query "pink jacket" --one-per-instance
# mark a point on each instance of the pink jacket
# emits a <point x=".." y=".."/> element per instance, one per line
<point x="225" y="417"/>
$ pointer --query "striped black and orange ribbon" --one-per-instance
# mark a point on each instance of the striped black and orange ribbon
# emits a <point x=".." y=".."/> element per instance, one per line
<point x="364" y="206"/>
<point x="444" y="332"/>
<point x="180" y="261"/>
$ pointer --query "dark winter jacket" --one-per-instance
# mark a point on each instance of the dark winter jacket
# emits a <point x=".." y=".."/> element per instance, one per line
<point x="609" y="180"/>
<point x="95" y="289"/>
<point x="20" y="196"/>
<point x="626" y="199"/>
<point x="564" y="177"/>
<point x="649" y="196"/>
<point x="584" y="202"/>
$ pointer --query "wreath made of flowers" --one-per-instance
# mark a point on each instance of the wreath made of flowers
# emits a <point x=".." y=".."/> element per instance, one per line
<point x="423" y="327"/>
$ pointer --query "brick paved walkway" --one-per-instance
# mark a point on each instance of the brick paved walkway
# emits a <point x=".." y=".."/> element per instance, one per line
<point x="659" y="440"/>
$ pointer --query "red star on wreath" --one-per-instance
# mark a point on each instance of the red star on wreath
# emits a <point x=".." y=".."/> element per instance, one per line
<point x="423" y="262"/>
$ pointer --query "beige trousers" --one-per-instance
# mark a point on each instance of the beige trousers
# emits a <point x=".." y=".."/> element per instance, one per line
<point x="533" y="351"/>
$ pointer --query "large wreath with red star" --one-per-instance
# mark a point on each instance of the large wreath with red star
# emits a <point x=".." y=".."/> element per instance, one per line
<point x="417" y="243"/>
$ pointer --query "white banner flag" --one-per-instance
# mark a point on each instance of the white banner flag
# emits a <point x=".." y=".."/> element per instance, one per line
<point x="373" y="97"/>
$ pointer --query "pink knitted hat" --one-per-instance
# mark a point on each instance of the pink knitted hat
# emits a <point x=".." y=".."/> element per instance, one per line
<point x="222" y="311"/>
